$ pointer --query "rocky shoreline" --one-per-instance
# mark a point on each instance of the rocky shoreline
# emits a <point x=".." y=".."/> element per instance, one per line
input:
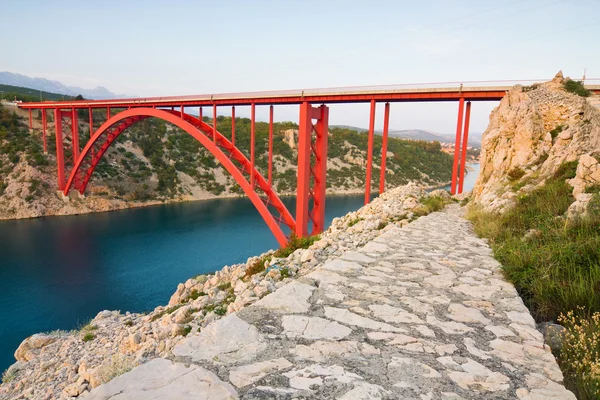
<point x="69" y="364"/>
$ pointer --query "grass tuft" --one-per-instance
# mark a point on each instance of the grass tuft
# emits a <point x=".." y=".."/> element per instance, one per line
<point x="576" y="87"/>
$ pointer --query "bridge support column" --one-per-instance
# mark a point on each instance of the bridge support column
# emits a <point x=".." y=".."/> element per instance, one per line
<point x="62" y="135"/>
<point x="30" y="120"/>
<point x="311" y="189"/>
<point x="384" y="140"/>
<point x="44" y="129"/>
<point x="461" y="106"/>
<point x="463" y="154"/>
<point x="370" y="153"/>
<point x="60" y="160"/>
<point x="252" y="139"/>
<point x="232" y="124"/>
<point x="270" y="168"/>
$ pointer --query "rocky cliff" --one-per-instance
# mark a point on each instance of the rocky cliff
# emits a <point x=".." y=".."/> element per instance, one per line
<point x="534" y="132"/>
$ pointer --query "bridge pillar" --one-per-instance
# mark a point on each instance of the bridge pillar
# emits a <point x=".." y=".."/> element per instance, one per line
<point x="461" y="106"/>
<point x="68" y="118"/>
<point x="44" y="129"/>
<point x="463" y="154"/>
<point x="384" y="140"/>
<point x="308" y="150"/>
<point x="370" y="153"/>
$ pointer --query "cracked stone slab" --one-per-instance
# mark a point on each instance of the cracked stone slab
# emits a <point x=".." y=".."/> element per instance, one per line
<point x="248" y="374"/>
<point x="227" y="340"/>
<point x="166" y="380"/>
<point x="291" y="298"/>
<point x="313" y="328"/>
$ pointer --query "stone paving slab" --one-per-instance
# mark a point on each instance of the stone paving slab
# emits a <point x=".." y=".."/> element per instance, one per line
<point x="421" y="312"/>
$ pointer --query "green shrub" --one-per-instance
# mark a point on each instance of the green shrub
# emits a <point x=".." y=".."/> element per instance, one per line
<point x="353" y="222"/>
<point x="194" y="294"/>
<point x="88" y="336"/>
<point x="295" y="243"/>
<point x="576" y="87"/>
<point x="556" y="131"/>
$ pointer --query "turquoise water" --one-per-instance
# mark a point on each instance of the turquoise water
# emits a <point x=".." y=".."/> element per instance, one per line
<point x="58" y="272"/>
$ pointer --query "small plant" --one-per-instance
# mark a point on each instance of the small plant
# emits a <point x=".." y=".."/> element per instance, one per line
<point x="516" y="173"/>
<point x="284" y="272"/>
<point x="9" y="375"/>
<point x="381" y="225"/>
<point x="576" y="87"/>
<point x="294" y="244"/>
<point x="88" y="336"/>
<point x="256" y="267"/>
<point x="194" y="294"/>
<point x="430" y="204"/>
<point x="580" y="354"/>
<point x="168" y="310"/>
<point x="354" y="222"/>
<point x="224" y="286"/>
<point x="128" y="323"/>
<point x="556" y="131"/>
<point x="186" y="330"/>
<point x="220" y="310"/>
<point x="119" y="364"/>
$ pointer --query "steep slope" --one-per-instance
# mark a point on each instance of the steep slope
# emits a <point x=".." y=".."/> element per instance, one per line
<point x="155" y="162"/>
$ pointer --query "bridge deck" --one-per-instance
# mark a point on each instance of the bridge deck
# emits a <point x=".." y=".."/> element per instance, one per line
<point x="328" y="96"/>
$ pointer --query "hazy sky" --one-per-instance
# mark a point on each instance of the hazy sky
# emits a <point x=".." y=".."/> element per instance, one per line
<point x="152" y="47"/>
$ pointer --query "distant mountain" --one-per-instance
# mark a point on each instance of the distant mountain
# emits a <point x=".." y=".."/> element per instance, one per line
<point x="420" y="134"/>
<point x="46" y="85"/>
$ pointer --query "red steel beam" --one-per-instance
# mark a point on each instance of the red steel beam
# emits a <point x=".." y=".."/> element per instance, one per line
<point x="384" y="140"/>
<point x="303" y="184"/>
<point x="232" y="125"/>
<point x="91" y="121"/>
<point x="270" y="171"/>
<point x="252" y="133"/>
<point x="370" y="153"/>
<point x="74" y="135"/>
<point x="463" y="154"/>
<point x="461" y="107"/>
<point x="200" y="113"/>
<point x="320" y="171"/>
<point x="60" y="160"/>
<point x="214" y="123"/>
<point x="44" y="129"/>
<point x="209" y="100"/>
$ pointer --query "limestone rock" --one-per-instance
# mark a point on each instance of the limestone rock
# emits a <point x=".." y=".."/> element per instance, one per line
<point x="29" y="348"/>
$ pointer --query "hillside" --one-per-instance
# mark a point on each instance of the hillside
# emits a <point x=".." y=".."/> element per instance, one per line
<point x="12" y="93"/>
<point x="155" y="162"/>
<point x="12" y="79"/>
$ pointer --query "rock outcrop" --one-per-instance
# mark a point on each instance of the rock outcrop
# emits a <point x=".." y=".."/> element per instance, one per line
<point x="533" y="132"/>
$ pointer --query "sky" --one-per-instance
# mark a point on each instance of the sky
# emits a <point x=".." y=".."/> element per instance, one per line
<point x="155" y="48"/>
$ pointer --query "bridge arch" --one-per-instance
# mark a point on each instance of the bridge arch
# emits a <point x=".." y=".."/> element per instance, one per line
<point x="262" y="195"/>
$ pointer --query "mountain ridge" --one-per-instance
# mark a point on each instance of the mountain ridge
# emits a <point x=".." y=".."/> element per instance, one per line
<point x="47" y="85"/>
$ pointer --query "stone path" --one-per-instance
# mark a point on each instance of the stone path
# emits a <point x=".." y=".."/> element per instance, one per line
<point x="421" y="312"/>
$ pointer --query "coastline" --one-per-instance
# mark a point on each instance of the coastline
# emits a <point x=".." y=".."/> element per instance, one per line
<point x="123" y="205"/>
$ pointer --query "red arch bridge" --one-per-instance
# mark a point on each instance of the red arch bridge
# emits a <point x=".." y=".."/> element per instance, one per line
<point x="76" y="165"/>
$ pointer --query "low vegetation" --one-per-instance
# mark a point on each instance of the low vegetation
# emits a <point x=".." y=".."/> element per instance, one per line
<point x="555" y="266"/>
<point x="431" y="204"/>
<point x="293" y="244"/>
<point x="119" y="364"/>
<point x="576" y="87"/>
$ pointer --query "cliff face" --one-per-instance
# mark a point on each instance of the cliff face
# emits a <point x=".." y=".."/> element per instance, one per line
<point x="531" y="134"/>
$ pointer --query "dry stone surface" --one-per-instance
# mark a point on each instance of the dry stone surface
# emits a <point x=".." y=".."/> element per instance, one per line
<point x="420" y="312"/>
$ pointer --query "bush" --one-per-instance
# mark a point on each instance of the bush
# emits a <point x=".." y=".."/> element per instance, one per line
<point x="580" y="355"/>
<point x="576" y="87"/>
